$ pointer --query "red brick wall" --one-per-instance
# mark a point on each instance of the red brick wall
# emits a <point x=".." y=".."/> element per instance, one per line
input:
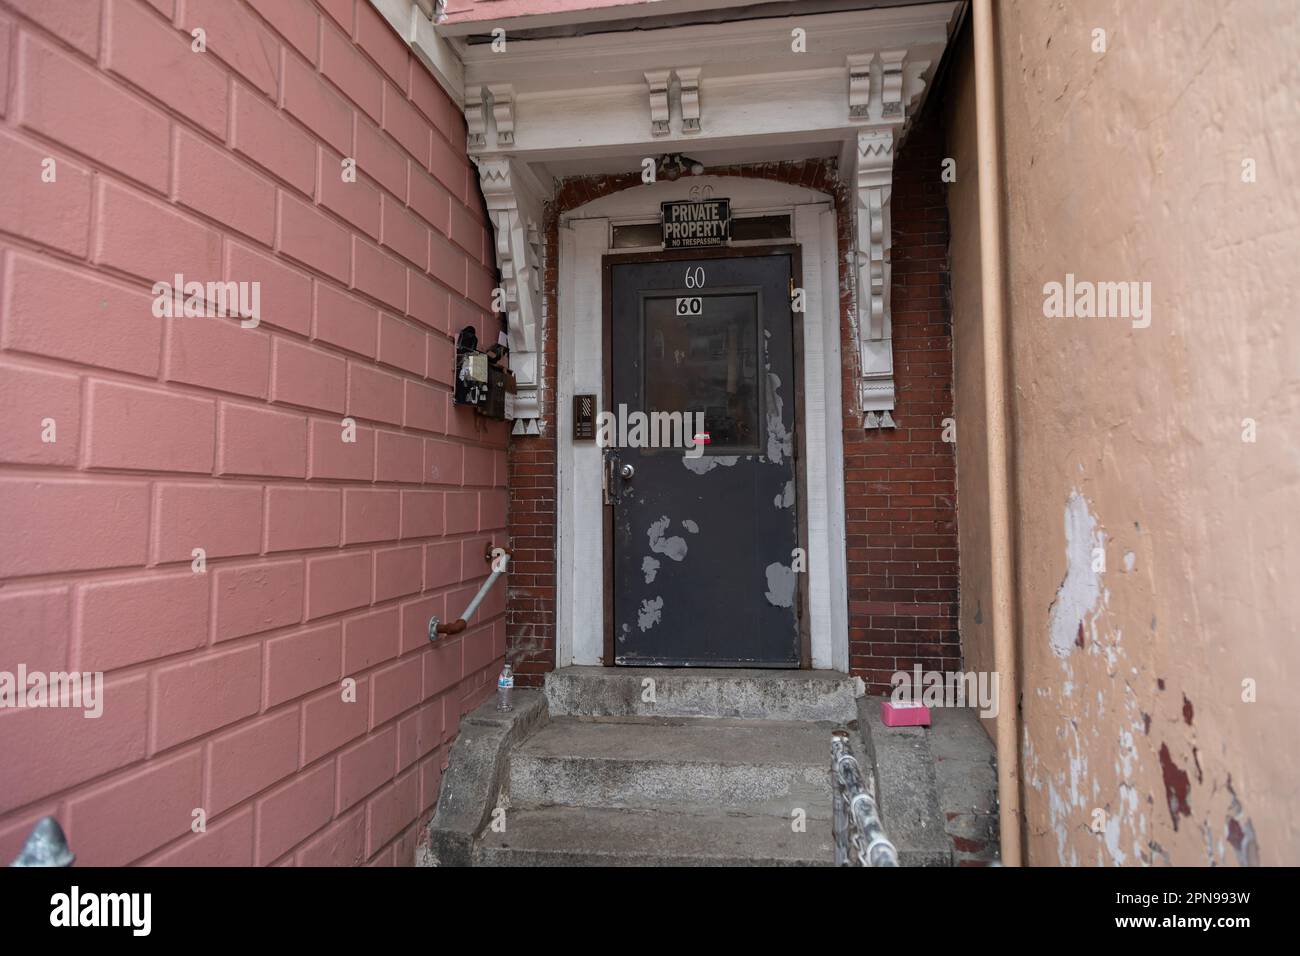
<point x="531" y="484"/>
<point x="899" y="484"/>
<point x="325" y="559"/>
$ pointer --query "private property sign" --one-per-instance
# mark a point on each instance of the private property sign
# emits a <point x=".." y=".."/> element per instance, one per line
<point x="689" y="225"/>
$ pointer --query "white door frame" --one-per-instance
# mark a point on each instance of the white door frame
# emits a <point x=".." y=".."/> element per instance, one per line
<point x="584" y="239"/>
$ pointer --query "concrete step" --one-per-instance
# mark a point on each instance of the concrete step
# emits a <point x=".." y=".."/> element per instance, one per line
<point x="907" y="791"/>
<point x="750" y="694"/>
<point x="755" y="766"/>
<point x="585" y="836"/>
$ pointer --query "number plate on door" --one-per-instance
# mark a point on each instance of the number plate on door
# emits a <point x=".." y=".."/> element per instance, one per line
<point x="690" y="305"/>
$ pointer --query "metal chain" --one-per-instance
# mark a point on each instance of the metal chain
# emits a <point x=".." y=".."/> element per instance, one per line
<point x="860" y="845"/>
<point x="858" y="831"/>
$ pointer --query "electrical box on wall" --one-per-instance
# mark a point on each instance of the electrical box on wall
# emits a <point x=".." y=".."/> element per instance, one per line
<point x="481" y="381"/>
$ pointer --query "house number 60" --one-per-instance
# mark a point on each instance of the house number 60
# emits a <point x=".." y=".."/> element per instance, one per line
<point x="695" y="278"/>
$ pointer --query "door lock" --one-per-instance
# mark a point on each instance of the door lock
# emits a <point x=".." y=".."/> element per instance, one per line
<point x="612" y="468"/>
<point x="607" y="477"/>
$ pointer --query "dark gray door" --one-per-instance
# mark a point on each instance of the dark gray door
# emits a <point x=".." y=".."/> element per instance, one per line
<point x="704" y="563"/>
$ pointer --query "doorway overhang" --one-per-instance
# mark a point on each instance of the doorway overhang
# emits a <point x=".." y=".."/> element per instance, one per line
<point x="837" y="84"/>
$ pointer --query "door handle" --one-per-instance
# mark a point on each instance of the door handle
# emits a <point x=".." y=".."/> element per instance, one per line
<point x="614" y="470"/>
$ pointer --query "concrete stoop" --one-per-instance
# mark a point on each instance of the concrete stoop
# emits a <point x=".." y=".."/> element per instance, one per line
<point x="755" y="694"/>
<point x="712" y="768"/>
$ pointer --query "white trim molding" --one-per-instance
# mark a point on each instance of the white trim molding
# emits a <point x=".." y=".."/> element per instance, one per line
<point x="584" y="239"/>
<point x="884" y="89"/>
<point x="515" y="202"/>
<point x="874" y="179"/>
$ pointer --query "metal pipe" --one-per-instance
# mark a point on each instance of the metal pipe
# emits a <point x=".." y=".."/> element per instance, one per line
<point x="483" y="590"/>
<point x="1002" y="581"/>
<point x="500" y="561"/>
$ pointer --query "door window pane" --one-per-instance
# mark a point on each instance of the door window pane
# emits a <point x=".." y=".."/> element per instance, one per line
<point x="639" y="235"/>
<point x="706" y="362"/>
<point x="760" y="227"/>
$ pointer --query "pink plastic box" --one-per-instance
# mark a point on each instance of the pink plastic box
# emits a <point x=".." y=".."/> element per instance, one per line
<point x="904" y="714"/>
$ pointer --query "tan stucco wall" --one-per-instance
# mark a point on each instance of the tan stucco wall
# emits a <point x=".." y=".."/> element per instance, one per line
<point x="1127" y="166"/>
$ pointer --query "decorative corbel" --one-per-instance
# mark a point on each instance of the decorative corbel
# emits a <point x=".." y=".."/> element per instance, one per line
<point x="658" y="83"/>
<point x="503" y="112"/>
<point x="515" y="204"/>
<point x="690" y="85"/>
<point x="860" y="85"/>
<point x="475" y="118"/>
<point x="891" y="84"/>
<point x="874" y="175"/>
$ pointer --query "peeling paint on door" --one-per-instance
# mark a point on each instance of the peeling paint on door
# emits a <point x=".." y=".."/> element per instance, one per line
<point x="780" y="443"/>
<point x="706" y="463"/>
<point x="725" y="523"/>
<point x="780" y="585"/>
<point x="674" y="547"/>
<point x="650" y="613"/>
<point x="786" y="498"/>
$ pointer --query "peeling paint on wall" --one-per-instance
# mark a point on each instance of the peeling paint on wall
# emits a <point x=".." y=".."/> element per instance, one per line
<point x="1099" y="772"/>
<point x="649" y="567"/>
<point x="1177" y="786"/>
<point x="1079" y="591"/>
<point x="1083" y="797"/>
<point x="1240" y="833"/>
<point x="1200" y="522"/>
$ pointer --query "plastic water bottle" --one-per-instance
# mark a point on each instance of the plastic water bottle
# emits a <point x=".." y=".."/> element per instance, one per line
<point x="505" y="687"/>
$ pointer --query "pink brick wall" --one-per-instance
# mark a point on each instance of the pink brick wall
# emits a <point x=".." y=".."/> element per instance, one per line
<point x="325" y="559"/>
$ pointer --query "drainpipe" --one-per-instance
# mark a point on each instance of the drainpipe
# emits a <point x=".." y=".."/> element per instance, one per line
<point x="996" y="428"/>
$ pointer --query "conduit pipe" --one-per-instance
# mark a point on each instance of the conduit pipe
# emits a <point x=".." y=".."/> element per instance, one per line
<point x="992" y="299"/>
